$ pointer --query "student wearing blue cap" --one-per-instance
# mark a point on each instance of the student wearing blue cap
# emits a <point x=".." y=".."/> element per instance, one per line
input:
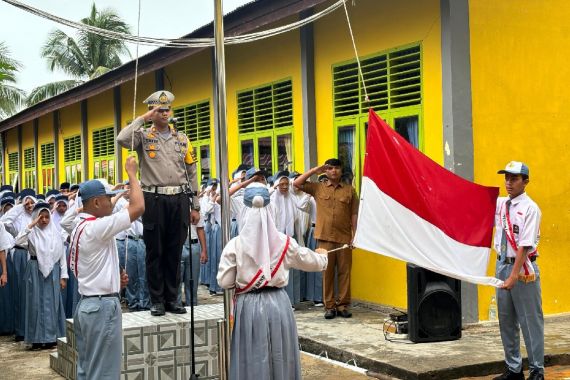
<point x="15" y="221"/>
<point x="519" y="300"/>
<point x="45" y="277"/>
<point x="95" y="262"/>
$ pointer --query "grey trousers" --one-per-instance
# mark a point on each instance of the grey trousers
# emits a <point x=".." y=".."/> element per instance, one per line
<point x="520" y="309"/>
<point x="98" y="333"/>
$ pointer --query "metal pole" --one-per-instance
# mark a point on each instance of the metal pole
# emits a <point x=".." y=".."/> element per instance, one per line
<point x="222" y="160"/>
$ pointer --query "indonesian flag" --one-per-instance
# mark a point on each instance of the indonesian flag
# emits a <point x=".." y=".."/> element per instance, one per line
<point x="414" y="210"/>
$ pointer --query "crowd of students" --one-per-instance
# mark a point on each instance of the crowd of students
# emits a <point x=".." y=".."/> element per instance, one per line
<point x="38" y="291"/>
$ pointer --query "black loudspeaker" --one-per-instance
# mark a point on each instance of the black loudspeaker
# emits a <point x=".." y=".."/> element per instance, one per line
<point x="434" y="306"/>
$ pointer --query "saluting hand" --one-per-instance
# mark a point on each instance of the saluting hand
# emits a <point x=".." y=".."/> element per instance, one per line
<point x="34" y="222"/>
<point x="320" y="169"/>
<point x="150" y="114"/>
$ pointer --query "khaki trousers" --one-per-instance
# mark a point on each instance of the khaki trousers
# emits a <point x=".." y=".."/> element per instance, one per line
<point x="342" y="260"/>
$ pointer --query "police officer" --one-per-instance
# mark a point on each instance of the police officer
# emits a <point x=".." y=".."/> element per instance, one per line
<point x="168" y="177"/>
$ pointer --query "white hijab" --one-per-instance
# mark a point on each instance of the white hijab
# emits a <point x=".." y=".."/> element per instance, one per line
<point x="284" y="206"/>
<point x="259" y="238"/>
<point x="47" y="243"/>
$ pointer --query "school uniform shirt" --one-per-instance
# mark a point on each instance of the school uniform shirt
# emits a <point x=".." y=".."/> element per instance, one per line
<point x="524" y="216"/>
<point x="237" y="269"/>
<point x="97" y="260"/>
<point x="136" y="229"/>
<point x="193" y="228"/>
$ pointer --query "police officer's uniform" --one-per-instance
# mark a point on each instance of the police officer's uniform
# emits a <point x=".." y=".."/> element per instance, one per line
<point x="166" y="166"/>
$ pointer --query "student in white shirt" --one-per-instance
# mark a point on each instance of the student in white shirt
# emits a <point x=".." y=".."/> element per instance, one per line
<point x="519" y="300"/>
<point x="95" y="262"/>
<point x="257" y="263"/>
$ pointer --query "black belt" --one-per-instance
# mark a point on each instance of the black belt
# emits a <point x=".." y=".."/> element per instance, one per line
<point x="511" y="260"/>
<point x="135" y="237"/>
<point x="193" y="241"/>
<point x="234" y="220"/>
<point x="264" y="289"/>
<point x="33" y="257"/>
<point x="20" y="247"/>
<point x="103" y="296"/>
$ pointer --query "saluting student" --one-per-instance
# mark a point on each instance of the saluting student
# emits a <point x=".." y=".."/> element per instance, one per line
<point x="256" y="263"/>
<point x="6" y="305"/>
<point x="95" y="262"/>
<point x="45" y="278"/>
<point x="15" y="221"/>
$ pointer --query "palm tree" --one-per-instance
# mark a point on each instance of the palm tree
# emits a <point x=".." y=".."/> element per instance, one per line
<point x="11" y="97"/>
<point x="84" y="58"/>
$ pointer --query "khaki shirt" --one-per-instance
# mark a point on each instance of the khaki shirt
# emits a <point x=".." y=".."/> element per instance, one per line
<point x="335" y="208"/>
<point x="163" y="161"/>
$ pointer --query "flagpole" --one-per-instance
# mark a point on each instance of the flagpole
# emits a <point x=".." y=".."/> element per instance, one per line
<point x="220" y="129"/>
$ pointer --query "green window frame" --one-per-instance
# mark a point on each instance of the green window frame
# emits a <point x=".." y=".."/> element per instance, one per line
<point x="195" y="121"/>
<point x="104" y="154"/>
<point x="29" y="168"/>
<point x="393" y="81"/>
<point x="72" y="159"/>
<point x="265" y="125"/>
<point x="13" y="159"/>
<point x="47" y="166"/>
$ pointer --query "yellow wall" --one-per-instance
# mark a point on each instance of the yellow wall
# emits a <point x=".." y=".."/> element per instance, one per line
<point x="255" y="64"/>
<point x="11" y="147"/>
<point x="378" y="26"/>
<point x="70" y="125"/>
<point x="520" y="112"/>
<point x="192" y="83"/>
<point x="100" y="114"/>
<point x="27" y="142"/>
<point x="45" y="135"/>
<point x="145" y="87"/>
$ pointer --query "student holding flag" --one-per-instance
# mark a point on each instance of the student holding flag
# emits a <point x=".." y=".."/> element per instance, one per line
<point x="517" y="222"/>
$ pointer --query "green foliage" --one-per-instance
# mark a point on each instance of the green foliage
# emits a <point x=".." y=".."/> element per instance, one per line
<point x="11" y="97"/>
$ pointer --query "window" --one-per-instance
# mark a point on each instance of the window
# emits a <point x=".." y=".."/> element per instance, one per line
<point x="393" y="81"/>
<point x="13" y="159"/>
<point x="48" y="166"/>
<point x="194" y="121"/>
<point x="29" y="168"/>
<point x="265" y="124"/>
<point x="72" y="159"/>
<point x="104" y="154"/>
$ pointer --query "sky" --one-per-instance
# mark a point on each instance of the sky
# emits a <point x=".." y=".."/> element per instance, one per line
<point x="25" y="33"/>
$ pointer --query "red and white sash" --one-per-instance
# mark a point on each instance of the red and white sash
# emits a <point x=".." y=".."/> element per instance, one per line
<point x="526" y="273"/>
<point x="74" y="247"/>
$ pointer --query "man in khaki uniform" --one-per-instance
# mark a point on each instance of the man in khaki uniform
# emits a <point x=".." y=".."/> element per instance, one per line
<point x="168" y="179"/>
<point x="337" y="209"/>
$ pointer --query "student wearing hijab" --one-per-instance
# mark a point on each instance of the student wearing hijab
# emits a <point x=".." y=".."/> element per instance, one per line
<point x="15" y="221"/>
<point x="284" y="208"/>
<point x="45" y="277"/>
<point x="6" y="304"/>
<point x="213" y="213"/>
<point x="257" y="263"/>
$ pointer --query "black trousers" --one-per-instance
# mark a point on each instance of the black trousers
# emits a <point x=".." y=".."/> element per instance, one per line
<point x="165" y="221"/>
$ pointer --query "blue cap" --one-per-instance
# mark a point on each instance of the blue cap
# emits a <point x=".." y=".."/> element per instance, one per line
<point x="212" y="181"/>
<point x="281" y="174"/>
<point x="94" y="188"/>
<point x="52" y="192"/>
<point x="8" y="197"/>
<point x="61" y="197"/>
<point x="253" y="171"/>
<point x="6" y="187"/>
<point x="515" y="167"/>
<point x="27" y="193"/>
<point x="41" y="205"/>
<point x="41" y="196"/>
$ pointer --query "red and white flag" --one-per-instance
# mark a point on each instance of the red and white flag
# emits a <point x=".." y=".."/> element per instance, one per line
<point x="414" y="210"/>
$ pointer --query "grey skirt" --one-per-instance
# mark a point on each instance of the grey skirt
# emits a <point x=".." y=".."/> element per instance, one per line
<point x="264" y="339"/>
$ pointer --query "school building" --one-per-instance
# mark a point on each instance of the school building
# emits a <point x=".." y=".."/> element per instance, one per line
<point x="473" y="84"/>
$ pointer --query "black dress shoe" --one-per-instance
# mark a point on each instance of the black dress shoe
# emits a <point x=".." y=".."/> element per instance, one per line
<point x="18" y="338"/>
<point x="535" y="375"/>
<point x="344" y="313"/>
<point x="509" y="375"/>
<point x="330" y="314"/>
<point x="157" y="309"/>
<point x="176" y="308"/>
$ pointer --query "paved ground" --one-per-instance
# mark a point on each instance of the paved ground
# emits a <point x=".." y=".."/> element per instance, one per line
<point x="359" y="340"/>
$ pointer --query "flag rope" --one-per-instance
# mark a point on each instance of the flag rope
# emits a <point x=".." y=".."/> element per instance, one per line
<point x="366" y="98"/>
<point x="136" y="75"/>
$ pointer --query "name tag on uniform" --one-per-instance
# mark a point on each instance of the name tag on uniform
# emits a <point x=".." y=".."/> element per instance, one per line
<point x="515" y="229"/>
